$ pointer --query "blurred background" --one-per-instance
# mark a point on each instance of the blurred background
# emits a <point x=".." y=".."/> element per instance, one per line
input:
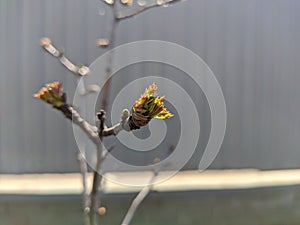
<point x="252" y="46"/>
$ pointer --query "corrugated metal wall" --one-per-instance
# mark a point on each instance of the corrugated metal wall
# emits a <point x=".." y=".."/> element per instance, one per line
<point x="251" y="45"/>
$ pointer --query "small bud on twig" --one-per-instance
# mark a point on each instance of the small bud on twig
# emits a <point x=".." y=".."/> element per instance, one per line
<point x="126" y="2"/>
<point x="83" y="70"/>
<point x="103" y="43"/>
<point x="102" y="211"/>
<point x="93" y="88"/>
<point x="45" y="42"/>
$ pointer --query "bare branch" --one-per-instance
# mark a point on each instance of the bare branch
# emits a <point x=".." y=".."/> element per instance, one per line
<point x="92" y="131"/>
<point x="146" y="7"/>
<point x="97" y="177"/>
<point x="74" y="116"/>
<point x="85" y="192"/>
<point x="138" y="200"/>
<point x="143" y="193"/>
<point x="126" y="124"/>
<point x="114" y="130"/>
<point x="83" y="170"/>
<point x="46" y="43"/>
<point x="95" y="136"/>
<point x="112" y="38"/>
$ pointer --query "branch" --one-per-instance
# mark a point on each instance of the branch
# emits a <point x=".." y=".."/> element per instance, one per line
<point x="142" y="194"/>
<point x="138" y="200"/>
<point x="101" y="116"/>
<point x="125" y="124"/>
<point x="74" y="116"/>
<point x="71" y="114"/>
<point x="46" y="43"/>
<point x="92" y="131"/>
<point x="146" y="7"/>
<point x="96" y="135"/>
<point x="147" y="107"/>
<point x="85" y="193"/>
<point x="84" y="171"/>
<point x="97" y="178"/>
<point x="112" y="38"/>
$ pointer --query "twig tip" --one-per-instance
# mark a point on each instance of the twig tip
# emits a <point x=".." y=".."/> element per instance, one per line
<point x="45" y="41"/>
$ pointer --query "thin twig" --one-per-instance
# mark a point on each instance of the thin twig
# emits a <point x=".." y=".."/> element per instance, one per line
<point x="85" y="192"/>
<point x="92" y="131"/>
<point x="93" y="134"/>
<point x="114" y="130"/>
<point x="83" y="163"/>
<point x="46" y="43"/>
<point x="84" y="171"/>
<point x="72" y="114"/>
<point x="108" y="70"/>
<point x="138" y="200"/>
<point x="96" y="135"/>
<point x="143" y="193"/>
<point x="144" y="8"/>
<point x="97" y="178"/>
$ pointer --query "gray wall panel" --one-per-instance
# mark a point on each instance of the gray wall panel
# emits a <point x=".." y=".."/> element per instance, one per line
<point x="252" y="47"/>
